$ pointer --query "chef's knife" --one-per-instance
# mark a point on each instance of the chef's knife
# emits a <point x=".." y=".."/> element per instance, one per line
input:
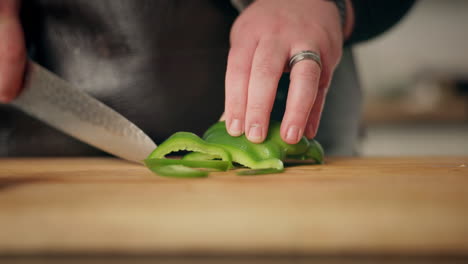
<point x="51" y="99"/>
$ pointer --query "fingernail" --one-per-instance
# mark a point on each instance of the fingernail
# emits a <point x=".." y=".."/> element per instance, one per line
<point x="236" y="128"/>
<point x="293" y="134"/>
<point x="255" y="133"/>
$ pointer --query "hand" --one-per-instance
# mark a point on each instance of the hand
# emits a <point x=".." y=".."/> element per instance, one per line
<point x="263" y="39"/>
<point x="12" y="51"/>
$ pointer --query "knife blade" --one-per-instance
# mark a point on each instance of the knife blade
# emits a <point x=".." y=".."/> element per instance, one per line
<point x="56" y="102"/>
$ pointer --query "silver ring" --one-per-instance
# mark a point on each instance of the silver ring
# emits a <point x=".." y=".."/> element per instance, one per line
<point x="305" y="55"/>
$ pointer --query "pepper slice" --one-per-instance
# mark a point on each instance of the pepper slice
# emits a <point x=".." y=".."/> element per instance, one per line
<point x="207" y="164"/>
<point x="259" y="172"/>
<point x="178" y="171"/>
<point x="315" y="152"/>
<point x="198" y="156"/>
<point x="191" y="142"/>
<point x="157" y="163"/>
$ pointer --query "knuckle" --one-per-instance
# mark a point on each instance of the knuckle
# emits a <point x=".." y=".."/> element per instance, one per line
<point x="236" y="70"/>
<point x="301" y="110"/>
<point x="235" y="105"/>
<point x="257" y="108"/>
<point x="265" y="70"/>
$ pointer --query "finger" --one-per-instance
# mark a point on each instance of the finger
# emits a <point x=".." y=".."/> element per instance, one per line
<point x="303" y="87"/>
<point x="316" y="112"/>
<point x="267" y="67"/>
<point x="315" y="115"/>
<point x="12" y="58"/>
<point x="237" y="81"/>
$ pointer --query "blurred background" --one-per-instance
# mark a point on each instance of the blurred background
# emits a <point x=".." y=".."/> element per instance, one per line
<point x="415" y="79"/>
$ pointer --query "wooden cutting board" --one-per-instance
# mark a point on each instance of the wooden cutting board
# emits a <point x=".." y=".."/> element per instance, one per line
<point x="348" y="206"/>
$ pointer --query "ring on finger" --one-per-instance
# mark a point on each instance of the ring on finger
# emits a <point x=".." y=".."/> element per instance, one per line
<point x="305" y="55"/>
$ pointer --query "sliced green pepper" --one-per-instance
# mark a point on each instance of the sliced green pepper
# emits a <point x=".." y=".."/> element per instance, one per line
<point x="315" y="152"/>
<point x="259" y="171"/>
<point x="190" y="142"/>
<point x="255" y="156"/>
<point x="268" y="154"/>
<point x="263" y="158"/>
<point x="178" y="171"/>
<point x="208" y="164"/>
<point x="198" y="156"/>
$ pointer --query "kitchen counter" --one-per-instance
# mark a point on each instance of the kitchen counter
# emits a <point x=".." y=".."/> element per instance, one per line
<point x="360" y="207"/>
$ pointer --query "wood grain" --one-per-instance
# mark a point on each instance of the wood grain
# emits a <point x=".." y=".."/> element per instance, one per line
<point x="348" y="206"/>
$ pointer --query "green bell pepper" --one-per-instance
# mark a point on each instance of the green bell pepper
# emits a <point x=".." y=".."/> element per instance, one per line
<point x="263" y="158"/>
